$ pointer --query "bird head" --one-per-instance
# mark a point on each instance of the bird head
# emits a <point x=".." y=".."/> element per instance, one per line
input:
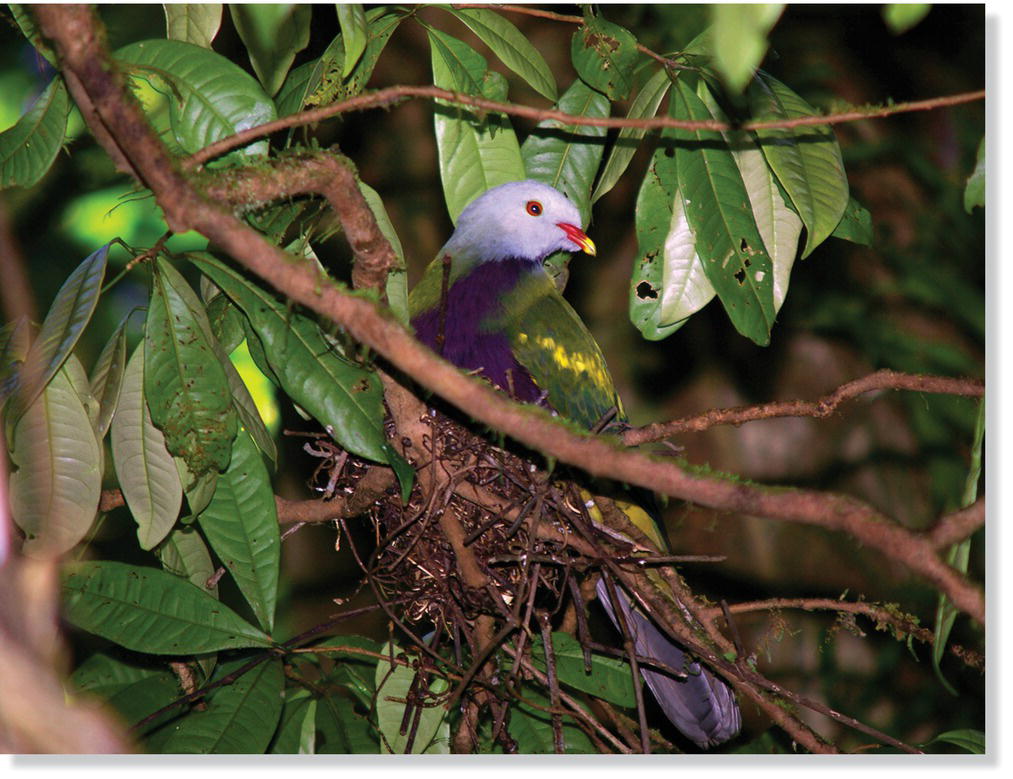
<point x="521" y="220"/>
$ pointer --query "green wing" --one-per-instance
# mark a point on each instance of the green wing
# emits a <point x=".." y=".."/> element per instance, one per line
<point x="552" y="342"/>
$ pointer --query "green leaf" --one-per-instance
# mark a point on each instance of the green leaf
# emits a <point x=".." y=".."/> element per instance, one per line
<point x="779" y="225"/>
<point x="323" y="81"/>
<point x="107" y="378"/>
<point x="57" y="481"/>
<point x="974" y="192"/>
<point x="273" y="33"/>
<point x="185" y="384"/>
<point x="206" y="97"/>
<point x="246" y="408"/>
<point x="971" y="740"/>
<point x="183" y="553"/>
<point x="610" y="677"/>
<point x="667" y="263"/>
<point x="241" y="525"/>
<point x="105" y="674"/>
<point x="855" y="224"/>
<point x="432" y="736"/>
<point x="644" y="106"/>
<point x="66" y="319"/>
<point x="195" y="23"/>
<point x="27" y="149"/>
<point x="198" y="489"/>
<point x="475" y="155"/>
<point x="567" y="156"/>
<point x="341" y="730"/>
<point x="740" y="39"/>
<point x="225" y="320"/>
<point x="152" y="611"/>
<point x="240" y="717"/>
<point x="343" y="396"/>
<point x="509" y="44"/>
<point x="352" y="20"/>
<point x="144" y="467"/>
<point x="727" y="238"/>
<point x="297" y="731"/>
<point x="901" y="17"/>
<point x="532" y="728"/>
<point x="604" y="55"/>
<point x="806" y="160"/>
<point x="397" y="279"/>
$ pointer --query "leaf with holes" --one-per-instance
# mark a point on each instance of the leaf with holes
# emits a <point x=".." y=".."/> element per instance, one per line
<point x="605" y="55"/>
<point x="718" y="210"/>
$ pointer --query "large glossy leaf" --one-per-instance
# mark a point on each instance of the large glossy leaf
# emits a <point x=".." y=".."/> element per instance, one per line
<point x="66" y="319"/>
<point x="727" y="239"/>
<point x="55" y="489"/>
<point x="107" y="378"/>
<point x="806" y="160"/>
<point x="207" y="96"/>
<point x="604" y="55"/>
<point x="27" y="149"/>
<point x="567" y="156"/>
<point x="297" y="730"/>
<point x="740" y="39"/>
<point x="475" y="155"/>
<point x="432" y="735"/>
<point x="352" y="20"/>
<point x="145" y="469"/>
<point x="273" y="33"/>
<point x="185" y="384"/>
<point x="241" y="525"/>
<point x="644" y="106"/>
<point x="149" y="610"/>
<point x="343" y="396"/>
<point x="240" y="717"/>
<point x="511" y="46"/>
<point x="196" y="23"/>
<point x="183" y="553"/>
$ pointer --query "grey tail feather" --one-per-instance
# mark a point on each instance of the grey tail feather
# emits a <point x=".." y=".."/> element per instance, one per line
<point x="700" y="705"/>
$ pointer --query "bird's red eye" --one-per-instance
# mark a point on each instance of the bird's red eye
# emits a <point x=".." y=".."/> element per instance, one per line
<point x="534" y="208"/>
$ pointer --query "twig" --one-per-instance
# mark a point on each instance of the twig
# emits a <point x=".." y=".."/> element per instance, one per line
<point x="823" y="407"/>
<point x="392" y="95"/>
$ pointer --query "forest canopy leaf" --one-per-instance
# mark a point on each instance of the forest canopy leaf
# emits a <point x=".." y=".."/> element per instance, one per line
<point x="28" y="149"/>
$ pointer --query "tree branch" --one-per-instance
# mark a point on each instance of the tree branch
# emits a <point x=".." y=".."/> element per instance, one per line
<point x="823" y="407"/>
<point x="73" y="29"/>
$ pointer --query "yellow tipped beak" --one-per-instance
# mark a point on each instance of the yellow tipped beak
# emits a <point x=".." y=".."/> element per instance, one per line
<point x="579" y="237"/>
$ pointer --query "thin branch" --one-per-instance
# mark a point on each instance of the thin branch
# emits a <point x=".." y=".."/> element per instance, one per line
<point x="389" y="96"/>
<point x="959" y="525"/>
<point x="823" y="407"/>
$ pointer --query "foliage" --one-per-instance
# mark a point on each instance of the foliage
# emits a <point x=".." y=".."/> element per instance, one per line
<point x="720" y="214"/>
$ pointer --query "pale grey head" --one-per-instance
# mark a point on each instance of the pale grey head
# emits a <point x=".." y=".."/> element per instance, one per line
<point x="521" y="220"/>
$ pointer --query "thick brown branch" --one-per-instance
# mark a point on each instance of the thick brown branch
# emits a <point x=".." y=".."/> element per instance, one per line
<point x="73" y="30"/>
<point x="388" y="96"/>
<point x="824" y="407"/>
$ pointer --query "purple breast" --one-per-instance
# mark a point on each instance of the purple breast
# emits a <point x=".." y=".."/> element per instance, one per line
<point x="471" y="302"/>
